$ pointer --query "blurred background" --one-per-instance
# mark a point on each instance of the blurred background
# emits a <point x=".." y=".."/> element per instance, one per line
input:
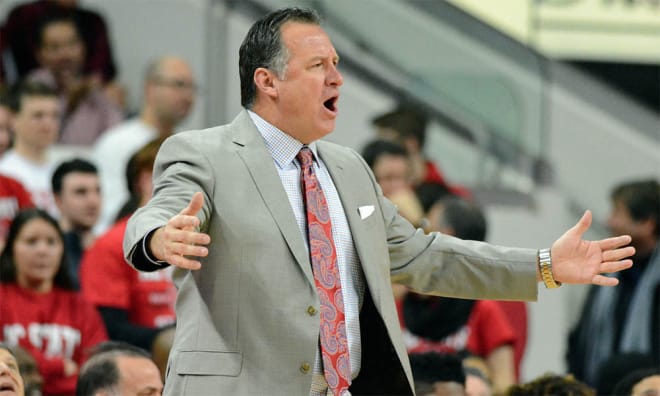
<point x="540" y="107"/>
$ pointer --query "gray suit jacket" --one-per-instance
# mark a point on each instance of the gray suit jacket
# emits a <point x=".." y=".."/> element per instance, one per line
<point x="243" y="323"/>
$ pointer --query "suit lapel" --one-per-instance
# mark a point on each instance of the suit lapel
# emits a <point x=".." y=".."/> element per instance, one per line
<point x="259" y="162"/>
<point x="352" y="196"/>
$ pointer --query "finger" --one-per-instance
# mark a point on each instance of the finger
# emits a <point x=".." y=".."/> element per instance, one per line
<point x="614" y="242"/>
<point x="183" y="222"/>
<point x="195" y="205"/>
<point x="185" y="263"/>
<point x="183" y="249"/>
<point x="187" y="237"/>
<point x="582" y="225"/>
<point x="618" y="254"/>
<point x="609" y="267"/>
<point x="601" y="280"/>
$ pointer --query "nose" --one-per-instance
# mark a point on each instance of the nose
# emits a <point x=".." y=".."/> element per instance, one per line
<point x="4" y="369"/>
<point x="334" y="77"/>
<point x="42" y="248"/>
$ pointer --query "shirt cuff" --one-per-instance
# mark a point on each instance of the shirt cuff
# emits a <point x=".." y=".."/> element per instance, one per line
<point x="147" y="252"/>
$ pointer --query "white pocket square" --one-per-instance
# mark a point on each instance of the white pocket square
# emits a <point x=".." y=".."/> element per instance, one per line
<point x="365" y="211"/>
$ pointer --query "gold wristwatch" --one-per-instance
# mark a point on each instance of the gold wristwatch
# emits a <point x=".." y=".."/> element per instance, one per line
<point x="545" y="268"/>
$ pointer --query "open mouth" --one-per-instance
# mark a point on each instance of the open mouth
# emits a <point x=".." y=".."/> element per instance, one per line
<point x="331" y="104"/>
<point x="7" y="389"/>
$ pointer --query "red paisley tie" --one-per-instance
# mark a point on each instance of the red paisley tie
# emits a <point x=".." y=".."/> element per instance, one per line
<point x="334" y="345"/>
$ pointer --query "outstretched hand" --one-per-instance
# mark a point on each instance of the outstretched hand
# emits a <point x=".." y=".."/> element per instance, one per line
<point x="575" y="260"/>
<point x="180" y="238"/>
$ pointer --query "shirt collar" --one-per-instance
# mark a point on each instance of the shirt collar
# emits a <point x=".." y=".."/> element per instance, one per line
<point x="282" y="147"/>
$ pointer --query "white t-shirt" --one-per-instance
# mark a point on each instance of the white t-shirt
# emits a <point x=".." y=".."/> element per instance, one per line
<point x="36" y="178"/>
<point x="111" y="154"/>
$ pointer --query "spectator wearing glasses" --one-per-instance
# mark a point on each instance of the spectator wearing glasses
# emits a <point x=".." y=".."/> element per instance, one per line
<point x="169" y="89"/>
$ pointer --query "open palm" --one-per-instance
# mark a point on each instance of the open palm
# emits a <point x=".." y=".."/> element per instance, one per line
<point x="575" y="260"/>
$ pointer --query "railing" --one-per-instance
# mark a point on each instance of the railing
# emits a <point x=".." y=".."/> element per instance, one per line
<point x="493" y="106"/>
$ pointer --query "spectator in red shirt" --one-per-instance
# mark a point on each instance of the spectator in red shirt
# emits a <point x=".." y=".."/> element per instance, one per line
<point x="450" y="325"/>
<point x="38" y="309"/>
<point x="137" y="307"/>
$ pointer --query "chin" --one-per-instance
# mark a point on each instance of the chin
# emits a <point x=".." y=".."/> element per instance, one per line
<point x="326" y="128"/>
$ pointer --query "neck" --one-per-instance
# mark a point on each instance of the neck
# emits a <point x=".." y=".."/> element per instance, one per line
<point x="34" y="154"/>
<point x="68" y="226"/>
<point x="37" y="286"/>
<point x="277" y="120"/>
<point x="164" y="127"/>
<point x="85" y="234"/>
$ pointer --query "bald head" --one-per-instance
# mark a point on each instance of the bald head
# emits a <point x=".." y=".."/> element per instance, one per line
<point x="169" y="93"/>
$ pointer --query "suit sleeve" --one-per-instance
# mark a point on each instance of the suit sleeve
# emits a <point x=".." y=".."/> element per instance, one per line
<point x="180" y="170"/>
<point x="443" y="265"/>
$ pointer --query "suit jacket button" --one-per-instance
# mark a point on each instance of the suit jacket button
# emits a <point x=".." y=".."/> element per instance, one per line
<point x="311" y="311"/>
<point x="305" y="367"/>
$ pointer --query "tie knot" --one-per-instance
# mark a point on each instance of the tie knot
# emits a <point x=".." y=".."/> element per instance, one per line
<point x="305" y="156"/>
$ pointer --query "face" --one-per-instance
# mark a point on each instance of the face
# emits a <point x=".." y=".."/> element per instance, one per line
<point x="172" y="92"/>
<point x="38" y="251"/>
<point x="29" y="371"/>
<point x="11" y="383"/>
<point x="37" y="123"/>
<point x="80" y="200"/>
<point x="620" y="222"/>
<point x="139" y="377"/>
<point x="392" y="173"/>
<point x="305" y="100"/>
<point x="5" y="134"/>
<point x="62" y="51"/>
<point x="649" y="386"/>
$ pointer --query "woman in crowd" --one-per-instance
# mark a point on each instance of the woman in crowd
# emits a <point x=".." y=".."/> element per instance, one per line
<point x="38" y="308"/>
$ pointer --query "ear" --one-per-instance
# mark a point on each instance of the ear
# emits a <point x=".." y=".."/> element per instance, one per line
<point x="264" y="80"/>
<point x="58" y="200"/>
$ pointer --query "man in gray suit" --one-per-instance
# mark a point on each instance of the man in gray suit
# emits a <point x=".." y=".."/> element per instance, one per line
<point x="248" y="310"/>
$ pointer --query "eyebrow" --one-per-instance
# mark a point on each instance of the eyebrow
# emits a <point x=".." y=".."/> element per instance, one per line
<point x="323" y="57"/>
<point x="12" y="362"/>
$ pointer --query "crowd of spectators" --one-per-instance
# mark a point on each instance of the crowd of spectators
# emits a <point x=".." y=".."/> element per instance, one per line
<point x="65" y="287"/>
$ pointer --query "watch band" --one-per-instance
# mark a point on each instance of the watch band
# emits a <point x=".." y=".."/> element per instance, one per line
<point x="545" y="268"/>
